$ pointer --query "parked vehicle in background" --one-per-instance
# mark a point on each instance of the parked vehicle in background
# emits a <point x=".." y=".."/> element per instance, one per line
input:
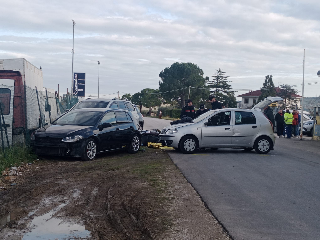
<point x="113" y="104"/>
<point x="308" y="127"/>
<point x="224" y="128"/>
<point x="88" y="131"/>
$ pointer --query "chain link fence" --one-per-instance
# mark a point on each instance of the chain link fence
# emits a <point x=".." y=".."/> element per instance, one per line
<point x="24" y="110"/>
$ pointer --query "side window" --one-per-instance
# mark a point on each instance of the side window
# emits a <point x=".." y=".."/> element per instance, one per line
<point x="219" y="119"/>
<point x="114" y="105"/>
<point x="109" y="118"/>
<point x="244" y="118"/>
<point x="122" y="117"/>
<point x="5" y="97"/>
<point x="121" y="105"/>
<point x="129" y="106"/>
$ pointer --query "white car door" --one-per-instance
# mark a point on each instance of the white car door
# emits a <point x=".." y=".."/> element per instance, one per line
<point x="217" y="131"/>
<point x="245" y="128"/>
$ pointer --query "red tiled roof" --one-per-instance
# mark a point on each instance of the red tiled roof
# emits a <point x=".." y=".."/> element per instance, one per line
<point x="257" y="93"/>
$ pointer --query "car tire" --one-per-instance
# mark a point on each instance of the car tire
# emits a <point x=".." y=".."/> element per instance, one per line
<point x="134" y="145"/>
<point x="188" y="144"/>
<point x="263" y="145"/>
<point x="89" y="150"/>
<point x="248" y="149"/>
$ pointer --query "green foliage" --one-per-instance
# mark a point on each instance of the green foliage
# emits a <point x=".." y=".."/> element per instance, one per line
<point x="287" y="92"/>
<point x="127" y="96"/>
<point x="180" y="78"/>
<point x="170" y="112"/>
<point x="14" y="156"/>
<point x="147" y="97"/>
<point x="268" y="89"/>
<point x="222" y="89"/>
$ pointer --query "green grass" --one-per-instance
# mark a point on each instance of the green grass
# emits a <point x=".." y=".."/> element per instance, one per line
<point x="14" y="156"/>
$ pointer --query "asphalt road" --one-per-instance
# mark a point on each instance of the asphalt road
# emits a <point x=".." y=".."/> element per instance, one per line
<point x="273" y="196"/>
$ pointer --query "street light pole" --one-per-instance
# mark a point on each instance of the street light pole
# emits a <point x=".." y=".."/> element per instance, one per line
<point x="98" y="77"/>
<point x="301" y="128"/>
<point x="72" y="78"/>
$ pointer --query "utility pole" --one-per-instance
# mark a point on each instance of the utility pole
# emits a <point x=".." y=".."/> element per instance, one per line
<point x="301" y="129"/>
<point x="72" y="80"/>
<point x="98" y="77"/>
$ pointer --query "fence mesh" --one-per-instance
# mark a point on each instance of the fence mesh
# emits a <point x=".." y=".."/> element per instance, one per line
<point x="24" y="110"/>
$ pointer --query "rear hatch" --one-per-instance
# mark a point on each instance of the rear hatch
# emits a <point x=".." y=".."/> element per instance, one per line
<point x="266" y="102"/>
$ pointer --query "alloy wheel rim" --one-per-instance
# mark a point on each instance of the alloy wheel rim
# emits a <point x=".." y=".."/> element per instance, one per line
<point x="91" y="150"/>
<point x="135" y="143"/>
<point x="263" y="145"/>
<point x="189" y="145"/>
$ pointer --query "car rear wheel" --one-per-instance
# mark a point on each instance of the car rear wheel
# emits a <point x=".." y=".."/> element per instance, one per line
<point x="90" y="150"/>
<point x="134" y="144"/>
<point x="262" y="145"/>
<point x="188" y="144"/>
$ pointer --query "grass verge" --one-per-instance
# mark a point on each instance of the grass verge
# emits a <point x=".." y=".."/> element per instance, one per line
<point x="15" y="155"/>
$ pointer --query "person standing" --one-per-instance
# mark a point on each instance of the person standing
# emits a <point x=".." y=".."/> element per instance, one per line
<point x="188" y="110"/>
<point x="288" y="118"/>
<point x="214" y="103"/>
<point x="295" y="123"/>
<point x="269" y="114"/>
<point x="201" y="110"/>
<point x="279" y="119"/>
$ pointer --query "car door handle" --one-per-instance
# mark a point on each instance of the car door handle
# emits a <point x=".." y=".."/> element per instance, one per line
<point x="227" y="129"/>
<point x="254" y="126"/>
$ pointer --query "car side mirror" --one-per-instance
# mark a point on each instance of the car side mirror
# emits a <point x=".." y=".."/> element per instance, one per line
<point x="104" y="125"/>
<point x="206" y="123"/>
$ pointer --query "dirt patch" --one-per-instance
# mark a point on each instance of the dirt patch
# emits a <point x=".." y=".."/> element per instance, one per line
<point x="116" y="196"/>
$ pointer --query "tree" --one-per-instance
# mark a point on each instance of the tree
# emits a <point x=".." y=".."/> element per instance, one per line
<point x="182" y="81"/>
<point x="222" y="89"/>
<point x="147" y="97"/>
<point x="126" y="96"/>
<point x="268" y="89"/>
<point x="287" y="92"/>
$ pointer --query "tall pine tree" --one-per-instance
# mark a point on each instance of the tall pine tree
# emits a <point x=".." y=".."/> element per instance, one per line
<point x="268" y="89"/>
<point x="221" y="88"/>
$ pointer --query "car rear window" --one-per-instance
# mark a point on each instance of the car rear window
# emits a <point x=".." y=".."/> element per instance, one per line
<point x="244" y="118"/>
<point x="92" y="104"/>
<point x="81" y="118"/>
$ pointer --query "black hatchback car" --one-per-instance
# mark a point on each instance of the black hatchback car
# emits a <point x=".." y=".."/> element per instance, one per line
<point x="85" y="132"/>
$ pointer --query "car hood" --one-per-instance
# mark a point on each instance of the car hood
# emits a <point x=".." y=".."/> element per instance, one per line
<point x="176" y="126"/>
<point x="266" y="102"/>
<point x="61" y="130"/>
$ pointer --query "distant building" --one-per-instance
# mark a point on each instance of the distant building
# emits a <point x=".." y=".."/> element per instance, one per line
<point x="251" y="98"/>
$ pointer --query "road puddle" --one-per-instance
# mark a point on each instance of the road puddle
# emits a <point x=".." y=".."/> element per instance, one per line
<point x="49" y="227"/>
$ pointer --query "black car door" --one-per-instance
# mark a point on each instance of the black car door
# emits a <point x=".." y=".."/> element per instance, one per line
<point x="107" y="134"/>
<point x="124" y="122"/>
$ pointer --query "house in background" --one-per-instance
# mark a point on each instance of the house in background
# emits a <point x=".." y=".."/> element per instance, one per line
<point x="251" y="98"/>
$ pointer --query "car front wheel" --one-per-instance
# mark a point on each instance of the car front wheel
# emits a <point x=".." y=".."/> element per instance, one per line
<point x="90" y="150"/>
<point x="134" y="144"/>
<point x="188" y="144"/>
<point x="262" y="145"/>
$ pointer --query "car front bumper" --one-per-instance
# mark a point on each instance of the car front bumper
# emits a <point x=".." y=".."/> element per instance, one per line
<point x="169" y="140"/>
<point x="61" y="149"/>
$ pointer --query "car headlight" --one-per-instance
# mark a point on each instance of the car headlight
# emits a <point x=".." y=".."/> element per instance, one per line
<point x="72" y="138"/>
<point x="171" y="131"/>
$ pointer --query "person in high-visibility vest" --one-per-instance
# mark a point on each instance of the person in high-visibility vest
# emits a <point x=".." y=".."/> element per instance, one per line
<point x="288" y="118"/>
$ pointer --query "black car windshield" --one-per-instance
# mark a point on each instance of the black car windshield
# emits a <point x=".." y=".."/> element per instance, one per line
<point x="81" y="118"/>
<point x="92" y="104"/>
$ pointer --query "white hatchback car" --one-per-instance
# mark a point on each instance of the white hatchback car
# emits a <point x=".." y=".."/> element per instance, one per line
<point x="223" y="128"/>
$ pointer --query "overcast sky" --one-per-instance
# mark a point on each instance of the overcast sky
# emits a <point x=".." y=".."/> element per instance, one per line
<point x="135" y="40"/>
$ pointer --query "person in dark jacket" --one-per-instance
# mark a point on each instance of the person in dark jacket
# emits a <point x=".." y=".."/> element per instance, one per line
<point x="214" y="103"/>
<point x="269" y="114"/>
<point x="279" y="118"/>
<point x="188" y="110"/>
<point x="201" y="110"/>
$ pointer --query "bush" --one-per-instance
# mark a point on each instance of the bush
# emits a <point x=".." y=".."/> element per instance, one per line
<point x="170" y="112"/>
<point x="14" y="156"/>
